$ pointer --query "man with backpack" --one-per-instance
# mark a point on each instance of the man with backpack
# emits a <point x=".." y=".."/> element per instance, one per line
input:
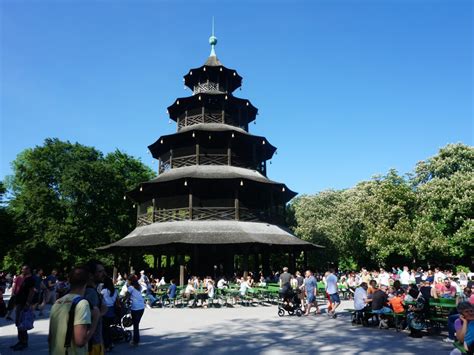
<point x="71" y="325"/>
<point x="95" y="299"/>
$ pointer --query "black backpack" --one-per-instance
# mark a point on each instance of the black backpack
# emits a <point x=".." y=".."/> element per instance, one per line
<point x="70" y="322"/>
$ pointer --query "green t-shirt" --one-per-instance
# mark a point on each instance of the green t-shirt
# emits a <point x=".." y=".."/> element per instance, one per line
<point x="58" y="324"/>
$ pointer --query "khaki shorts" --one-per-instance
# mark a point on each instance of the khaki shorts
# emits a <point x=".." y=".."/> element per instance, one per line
<point x="97" y="349"/>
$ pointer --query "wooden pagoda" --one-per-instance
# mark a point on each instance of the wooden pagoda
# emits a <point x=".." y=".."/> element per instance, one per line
<point x="212" y="203"/>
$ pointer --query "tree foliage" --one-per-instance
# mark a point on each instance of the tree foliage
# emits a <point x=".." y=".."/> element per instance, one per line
<point x="394" y="219"/>
<point x="67" y="199"/>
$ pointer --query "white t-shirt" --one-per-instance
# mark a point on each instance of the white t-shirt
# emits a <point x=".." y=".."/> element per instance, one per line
<point x="360" y="295"/>
<point x="221" y="283"/>
<point x="244" y="286"/>
<point x="210" y="290"/>
<point x="109" y="301"/>
<point x="331" y="284"/>
<point x="404" y="278"/>
<point x="384" y="279"/>
<point x="138" y="302"/>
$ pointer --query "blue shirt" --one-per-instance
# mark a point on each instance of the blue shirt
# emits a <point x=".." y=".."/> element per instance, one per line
<point x="172" y="291"/>
<point x="310" y="284"/>
<point x="469" y="336"/>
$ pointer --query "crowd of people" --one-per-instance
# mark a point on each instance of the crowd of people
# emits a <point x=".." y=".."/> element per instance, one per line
<point x="92" y="299"/>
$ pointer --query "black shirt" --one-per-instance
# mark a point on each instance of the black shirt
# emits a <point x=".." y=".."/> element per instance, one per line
<point x="22" y="295"/>
<point x="379" y="300"/>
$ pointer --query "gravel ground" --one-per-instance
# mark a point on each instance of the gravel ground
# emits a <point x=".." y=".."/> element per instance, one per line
<point x="247" y="330"/>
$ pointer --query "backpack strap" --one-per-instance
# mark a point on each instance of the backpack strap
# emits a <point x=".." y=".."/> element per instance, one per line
<point x="70" y="322"/>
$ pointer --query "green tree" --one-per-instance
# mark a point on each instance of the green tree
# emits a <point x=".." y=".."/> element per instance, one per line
<point x="444" y="221"/>
<point x="67" y="199"/>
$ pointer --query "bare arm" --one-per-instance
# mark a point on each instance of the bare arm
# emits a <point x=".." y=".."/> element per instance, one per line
<point x="80" y="335"/>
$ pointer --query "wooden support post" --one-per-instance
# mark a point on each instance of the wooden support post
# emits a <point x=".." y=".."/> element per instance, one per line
<point x="158" y="263"/>
<point x="190" y="204"/>
<point x="256" y="266"/>
<point x="292" y="265"/>
<point x="245" y="263"/>
<point x="181" y="275"/>
<point x="186" y="117"/>
<point x="153" y="212"/>
<point x="203" y="114"/>
<point x="195" y="260"/>
<point x="197" y="153"/>
<point x="237" y="205"/>
<point x="159" y="166"/>
<point x="155" y="262"/>
<point x="265" y="262"/>
<point x="254" y="155"/>
<point x="229" y="154"/>
<point x="223" y="116"/>
<point x="171" y="158"/>
<point x="115" y="270"/>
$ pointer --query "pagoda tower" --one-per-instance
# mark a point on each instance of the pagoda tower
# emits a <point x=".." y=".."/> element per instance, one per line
<point x="212" y="200"/>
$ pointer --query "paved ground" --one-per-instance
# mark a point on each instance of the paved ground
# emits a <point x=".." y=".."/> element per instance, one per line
<point x="247" y="330"/>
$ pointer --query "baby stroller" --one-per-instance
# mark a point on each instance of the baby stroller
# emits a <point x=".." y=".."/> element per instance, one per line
<point x="123" y="320"/>
<point x="416" y="318"/>
<point x="289" y="302"/>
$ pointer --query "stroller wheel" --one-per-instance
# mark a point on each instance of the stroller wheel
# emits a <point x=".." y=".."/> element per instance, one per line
<point x="281" y="312"/>
<point x="128" y="336"/>
<point x="299" y="312"/>
<point x="127" y="321"/>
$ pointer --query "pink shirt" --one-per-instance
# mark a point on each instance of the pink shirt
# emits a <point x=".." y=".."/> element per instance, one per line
<point x="451" y="290"/>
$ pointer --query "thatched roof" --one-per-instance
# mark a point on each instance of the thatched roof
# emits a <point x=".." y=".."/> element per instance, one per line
<point x="209" y="232"/>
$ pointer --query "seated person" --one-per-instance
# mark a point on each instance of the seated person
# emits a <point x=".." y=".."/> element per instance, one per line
<point x="171" y="292"/>
<point x="396" y="302"/>
<point x="210" y="291"/>
<point x="244" y="286"/>
<point x="447" y="290"/>
<point x="379" y="301"/>
<point x="222" y="283"/>
<point x="465" y="329"/>
<point x="189" y="291"/>
<point x="454" y="323"/>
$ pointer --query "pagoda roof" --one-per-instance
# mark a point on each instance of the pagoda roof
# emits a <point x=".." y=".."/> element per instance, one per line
<point x="210" y="232"/>
<point x="164" y="143"/>
<point x="216" y="101"/>
<point x="215" y="72"/>
<point x="218" y="172"/>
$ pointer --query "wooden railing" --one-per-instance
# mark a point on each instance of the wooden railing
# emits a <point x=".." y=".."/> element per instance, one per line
<point x="205" y="159"/>
<point x="205" y="214"/>
<point x="206" y="118"/>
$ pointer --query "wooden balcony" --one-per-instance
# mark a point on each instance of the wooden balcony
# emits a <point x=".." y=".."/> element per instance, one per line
<point x="206" y="214"/>
<point x="205" y="159"/>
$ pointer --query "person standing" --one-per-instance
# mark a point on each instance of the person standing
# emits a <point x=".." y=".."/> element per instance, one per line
<point x="285" y="278"/>
<point x="109" y="295"/>
<point x="331" y="289"/>
<point x="23" y="302"/>
<point x="82" y="325"/>
<point x="405" y="278"/>
<point x="310" y="287"/>
<point x="96" y="302"/>
<point x="49" y="290"/>
<point x="137" y="307"/>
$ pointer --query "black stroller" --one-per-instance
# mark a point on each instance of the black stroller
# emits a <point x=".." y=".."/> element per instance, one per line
<point x="417" y="316"/>
<point x="123" y="320"/>
<point x="290" y="302"/>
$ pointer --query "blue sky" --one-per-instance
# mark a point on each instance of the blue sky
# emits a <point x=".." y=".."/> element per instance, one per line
<point x="345" y="89"/>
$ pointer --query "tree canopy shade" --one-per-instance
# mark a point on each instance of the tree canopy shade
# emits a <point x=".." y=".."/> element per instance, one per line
<point x="67" y="199"/>
<point x="427" y="217"/>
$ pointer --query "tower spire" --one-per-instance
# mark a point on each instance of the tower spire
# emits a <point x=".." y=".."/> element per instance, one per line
<point x="213" y="40"/>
